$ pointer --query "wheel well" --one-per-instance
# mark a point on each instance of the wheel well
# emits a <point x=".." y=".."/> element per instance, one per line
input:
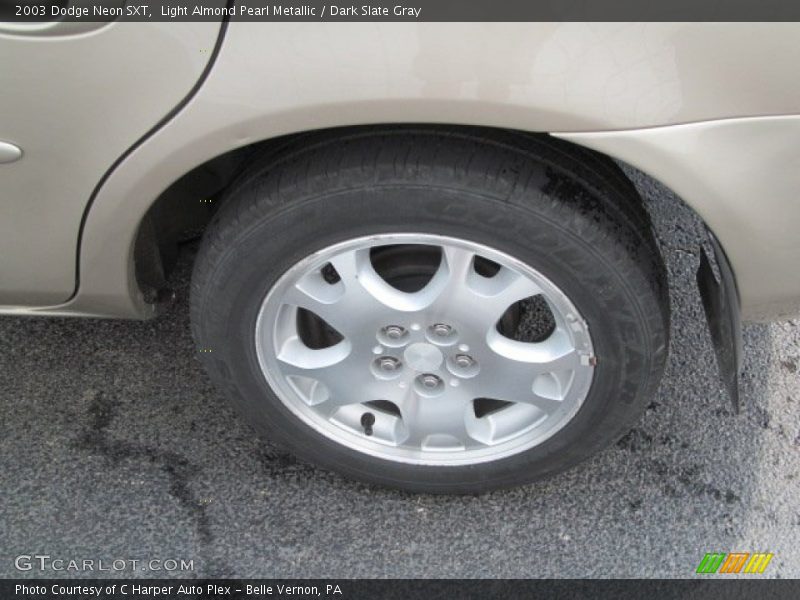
<point x="181" y="212"/>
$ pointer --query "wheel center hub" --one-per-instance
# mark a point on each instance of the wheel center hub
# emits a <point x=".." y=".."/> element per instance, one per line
<point x="423" y="357"/>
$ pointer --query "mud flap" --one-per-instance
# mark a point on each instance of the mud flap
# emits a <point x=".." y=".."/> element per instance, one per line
<point x="721" y="305"/>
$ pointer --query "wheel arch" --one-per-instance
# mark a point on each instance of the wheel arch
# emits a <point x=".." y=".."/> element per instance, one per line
<point x="124" y="254"/>
<point x="182" y="210"/>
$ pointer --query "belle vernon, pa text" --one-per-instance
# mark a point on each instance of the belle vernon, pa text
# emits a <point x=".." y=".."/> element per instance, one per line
<point x="181" y="590"/>
<point x="277" y="10"/>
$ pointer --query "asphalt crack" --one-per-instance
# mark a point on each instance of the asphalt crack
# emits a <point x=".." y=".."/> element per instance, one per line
<point x="179" y="469"/>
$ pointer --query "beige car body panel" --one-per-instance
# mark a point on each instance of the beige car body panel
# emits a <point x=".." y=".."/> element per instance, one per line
<point x="691" y="104"/>
<point x="74" y="104"/>
<point x="742" y="176"/>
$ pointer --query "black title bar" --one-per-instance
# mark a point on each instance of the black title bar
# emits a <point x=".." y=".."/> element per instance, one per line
<point x="43" y="11"/>
<point x="700" y="588"/>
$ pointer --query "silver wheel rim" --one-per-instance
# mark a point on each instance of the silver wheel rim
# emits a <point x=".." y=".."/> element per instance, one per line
<point x="402" y="379"/>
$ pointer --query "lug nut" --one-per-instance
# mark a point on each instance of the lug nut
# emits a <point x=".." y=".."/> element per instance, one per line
<point x="394" y="332"/>
<point x="441" y="329"/>
<point x="429" y="385"/>
<point x="386" y="367"/>
<point x="441" y="334"/>
<point x="463" y="365"/>
<point x="388" y="364"/>
<point x="464" y="361"/>
<point x="429" y="381"/>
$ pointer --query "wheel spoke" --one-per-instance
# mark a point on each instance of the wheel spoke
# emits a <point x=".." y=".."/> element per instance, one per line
<point x="457" y="289"/>
<point x="533" y="373"/>
<point x="450" y="284"/>
<point x="315" y="294"/>
<point x="446" y="421"/>
<point x="554" y="353"/>
<point x="459" y="264"/>
<point x="345" y="378"/>
<point x="503" y="290"/>
<point x="350" y="304"/>
<point x="517" y="386"/>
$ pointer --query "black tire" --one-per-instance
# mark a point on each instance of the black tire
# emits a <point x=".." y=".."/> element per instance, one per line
<point x="566" y="211"/>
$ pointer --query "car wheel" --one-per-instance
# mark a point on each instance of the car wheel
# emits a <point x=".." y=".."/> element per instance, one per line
<point x="439" y="310"/>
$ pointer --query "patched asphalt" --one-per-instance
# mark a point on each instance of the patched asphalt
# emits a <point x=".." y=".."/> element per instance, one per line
<point x="116" y="446"/>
